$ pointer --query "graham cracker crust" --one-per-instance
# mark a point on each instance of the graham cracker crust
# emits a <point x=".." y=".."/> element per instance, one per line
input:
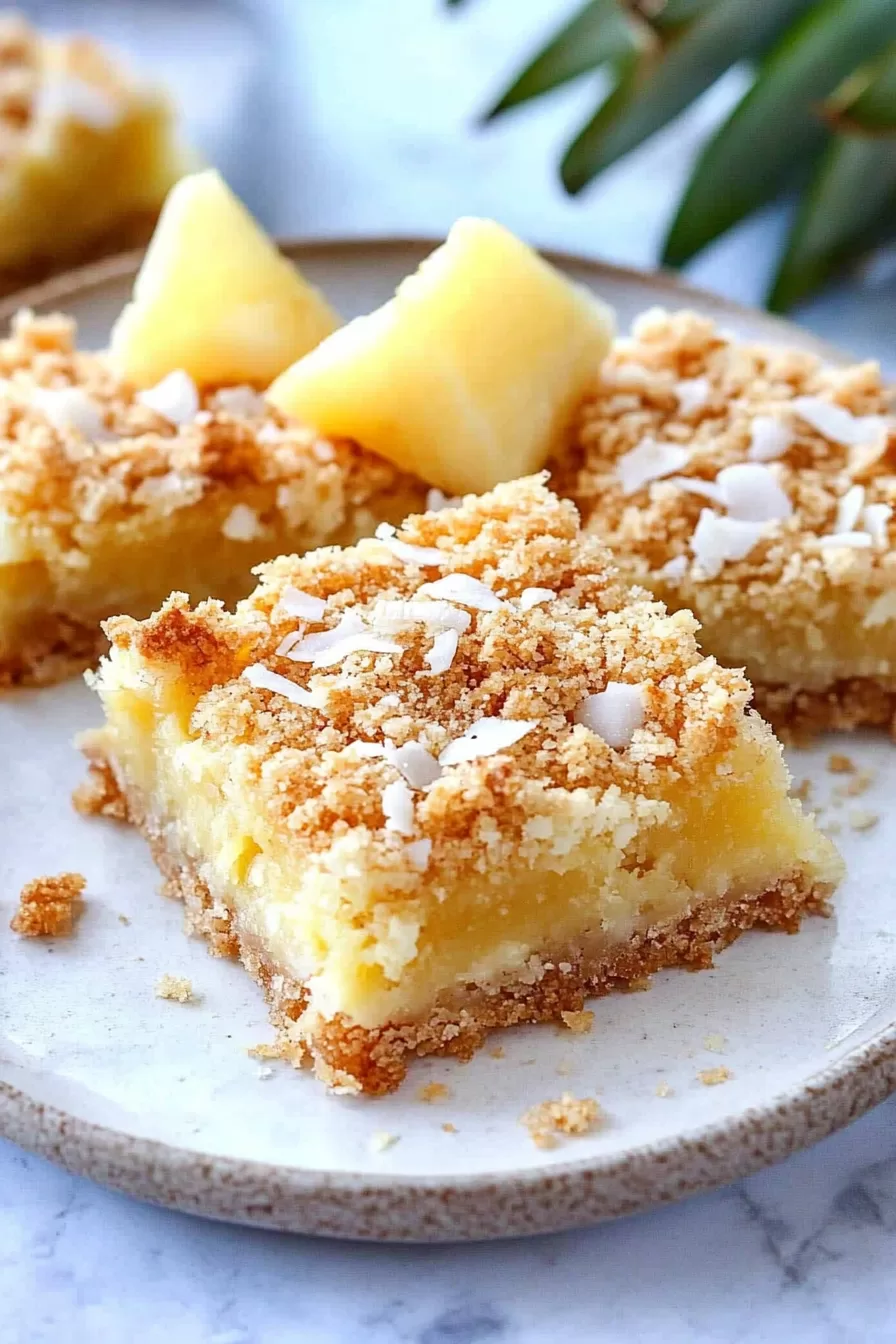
<point x="56" y="647"/>
<point x="800" y="715"/>
<point x="352" y="1059"/>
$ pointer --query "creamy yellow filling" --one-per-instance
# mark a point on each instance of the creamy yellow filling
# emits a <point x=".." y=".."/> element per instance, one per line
<point x="380" y="945"/>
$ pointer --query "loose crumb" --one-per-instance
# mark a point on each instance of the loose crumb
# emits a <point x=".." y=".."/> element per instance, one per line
<point x="99" y="795"/>
<point x="563" y="1069"/>
<point x="449" y="1128"/>
<point x="857" y="785"/>
<point x="663" y="1089"/>
<point x="381" y="1140"/>
<point x="832" y="828"/>
<point x="714" y="1042"/>
<point x="292" y="1052"/>
<point x="569" y="1115"/>
<point x="497" y="1052"/>
<point x="431" y="1092"/>
<point x="803" y="790"/>
<point x="579" y="1023"/>
<point x="264" y="1072"/>
<point x="123" y="919"/>
<point x="175" y="987"/>
<point x="49" y="906"/>
<point x="712" y="1077"/>
<point x="838" y="764"/>
<point x="862" y="820"/>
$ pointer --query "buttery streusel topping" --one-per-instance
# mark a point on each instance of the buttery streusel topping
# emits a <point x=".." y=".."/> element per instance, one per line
<point x="372" y="720"/>
<point x="49" y="906"/>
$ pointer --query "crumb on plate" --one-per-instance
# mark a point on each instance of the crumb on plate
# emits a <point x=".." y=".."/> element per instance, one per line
<point x="49" y="906"/>
<point x="579" y="1023"/>
<point x="663" y="1089"/>
<point x="175" y="987"/>
<point x="432" y="1092"/>
<point x="840" y="764"/>
<point x="715" y="1042"/>
<point x="381" y="1140"/>
<point x="862" y="820"/>
<point x="712" y="1077"/>
<point x="568" y="1115"/>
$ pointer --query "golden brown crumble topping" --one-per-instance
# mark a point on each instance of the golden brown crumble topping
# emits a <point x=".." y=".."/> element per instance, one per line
<point x="65" y="485"/>
<point x="535" y="665"/>
<point x="49" y="906"/>
<point x="568" y="1115"/>
<point x="175" y="987"/>
<point x="639" y="397"/>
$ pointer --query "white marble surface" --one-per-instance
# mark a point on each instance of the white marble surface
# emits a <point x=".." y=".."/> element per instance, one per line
<point x="354" y="116"/>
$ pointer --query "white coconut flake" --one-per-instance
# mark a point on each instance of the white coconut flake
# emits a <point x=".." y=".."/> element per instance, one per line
<point x="328" y="647"/>
<point x="837" y="423"/>
<point x="881" y="611"/>
<point x="695" y="485"/>
<point x="262" y="677"/>
<point x="441" y="655"/>
<point x="368" y="749"/>
<point x="465" y="589"/>
<point x="676" y="568"/>
<point x="627" y="375"/>
<point x="242" y="524"/>
<point x="175" y="398"/>
<point x="414" y="763"/>
<point x="424" y="556"/>
<point x="289" y="642"/>
<point x="270" y="434"/>
<point x="437" y="500"/>
<point x="769" y="439"/>
<point x="485" y="737"/>
<point x="390" y="617"/>
<point x="849" y="509"/>
<point x="649" y="461"/>
<point x="295" y="602"/>
<point x="716" y="540"/>
<point x="692" y="394"/>
<point x="241" y="401"/>
<point x="70" y="408"/>
<point x="66" y="97"/>
<point x="856" y="541"/>
<point x="535" y="597"/>
<point x="751" y="493"/>
<point x="418" y="852"/>
<point x="398" y="807"/>
<point x="614" y="713"/>
<point x="876" y="518"/>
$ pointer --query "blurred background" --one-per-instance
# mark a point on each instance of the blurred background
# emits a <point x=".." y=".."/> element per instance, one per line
<point x="352" y="117"/>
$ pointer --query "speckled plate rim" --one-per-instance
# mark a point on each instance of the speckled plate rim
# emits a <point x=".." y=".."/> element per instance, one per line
<point x="451" y="1208"/>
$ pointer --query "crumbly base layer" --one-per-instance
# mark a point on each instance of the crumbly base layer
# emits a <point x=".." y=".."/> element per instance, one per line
<point x="800" y="715"/>
<point x="56" y="647"/>
<point x="349" y="1058"/>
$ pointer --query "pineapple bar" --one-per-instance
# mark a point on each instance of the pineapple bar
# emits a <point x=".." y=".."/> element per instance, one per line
<point x="456" y="777"/>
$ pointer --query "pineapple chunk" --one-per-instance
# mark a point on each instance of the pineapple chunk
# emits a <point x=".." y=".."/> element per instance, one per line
<point x="215" y="297"/>
<point x="469" y="374"/>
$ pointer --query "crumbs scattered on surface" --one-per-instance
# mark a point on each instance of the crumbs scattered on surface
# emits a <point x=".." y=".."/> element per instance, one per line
<point x="568" y="1115"/>
<point x="838" y="764"/>
<point x="803" y="790"/>
<point x="855" y="785"/>
<point x="99" y="794"/>
<point x="432" y="1092"/>
<point x="49" y="906"/>
<point x="712" y="1077"/>
<point x="663" y="1089"/>
<point x="862" y="820"/>
<point x="449" y="1128"/>
<point x="264" y="1072"/>
<point x="381" y="1140"/>
<point x="714" y="1042"/>
<point x="579" y="1023"/>
<point x="177" y="988"/>
<point x="294" y="1052"/>
<point x="123" y="919"/>
<point x="497" y="1052"/>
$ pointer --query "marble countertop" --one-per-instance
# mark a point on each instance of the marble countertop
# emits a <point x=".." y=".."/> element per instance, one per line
<point x="351" y="117"/>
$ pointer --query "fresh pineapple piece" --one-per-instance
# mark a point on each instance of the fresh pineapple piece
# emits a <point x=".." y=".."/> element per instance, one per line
<point x="468" y="376"/>
<point x="215" y="297"/>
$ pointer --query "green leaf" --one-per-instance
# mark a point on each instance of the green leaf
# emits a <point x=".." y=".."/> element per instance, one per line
<point x="777" y="124"/>
<point x="597" y="34"/>
<point x="867" y="101"/>
<point x="848" y="208"/>
<point x="728" y="31"/>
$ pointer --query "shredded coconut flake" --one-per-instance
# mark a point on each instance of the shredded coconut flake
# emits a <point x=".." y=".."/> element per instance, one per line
<point x="436" y="501"/>
<point x="241" y="524"/>
<point x="876" y="518"/>
<point x="259" y="675"/>
<point x="751" y="493"/>
<point x="695" y="485"/>
<point x="769" y="439"/>
<point x="390" y="617"/>
<point x="398" y="807"/>
<point x="676" y="568"/>
<point x="485" y="737"/>
<point x="70" y="408"/>
<point x="614" y="713"/>
<point x="325" y="648"/>
<point x="857" y="541"/>
<point x="716" y="540"/>
<point x="418" y="852"/>
<point x="368" y="750"/>
<point x="414" y="763"/>
<point x="295" y="602"/>
<point x="289" y="642"/>
<point x="424" y="556"/>
<point x="175" y="398"/>
<point x="465" y="589"/>
<point x="649" y="461"/>
<point x="849" y="509"/>
<point x="241" y="401"/>
<point x="692" y="394"/>
<point x="837" y="423"/>
<point x="535" y="597"/>
<point x="441" y="655"/>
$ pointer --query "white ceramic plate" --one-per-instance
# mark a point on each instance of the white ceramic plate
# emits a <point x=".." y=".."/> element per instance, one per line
<point x="162" y="1100"/>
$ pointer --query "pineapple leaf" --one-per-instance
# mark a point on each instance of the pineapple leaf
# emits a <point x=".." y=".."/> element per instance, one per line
<point x="849" y="206"/>
<point x="867" y="100"/>
<point x="723" y="33"/>
<point x="598" y="33"/>
<point x="776" y="125"/>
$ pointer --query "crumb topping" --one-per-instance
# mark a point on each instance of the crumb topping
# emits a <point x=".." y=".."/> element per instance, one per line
<point x="80" y="448"/>
<point x="490" y="751"/>
<point x="49" y="906"/>
<point x="569" y="1115"/>
<point x="813" y="449"/>
<point x="175" y="987"/>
